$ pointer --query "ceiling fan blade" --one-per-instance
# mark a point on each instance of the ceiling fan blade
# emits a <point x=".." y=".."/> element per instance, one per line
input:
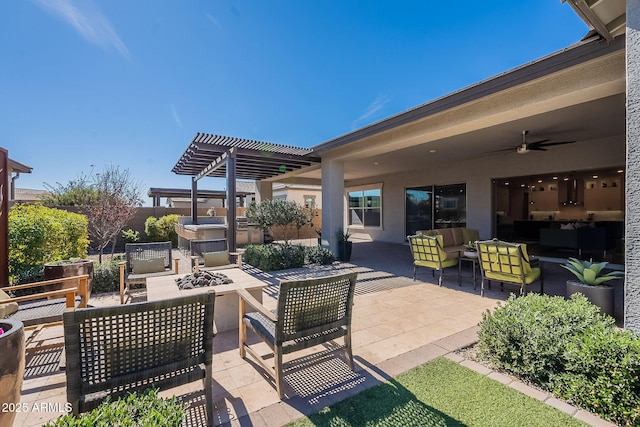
<point x="531" y="147"/>
<point x="549" y="144"/>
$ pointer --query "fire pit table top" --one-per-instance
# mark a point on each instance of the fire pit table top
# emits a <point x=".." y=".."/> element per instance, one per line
<point x="165" y="287"/>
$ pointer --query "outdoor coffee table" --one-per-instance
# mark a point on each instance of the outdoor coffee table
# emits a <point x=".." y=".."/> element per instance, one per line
<point x="225" y="312"/>
<point x="472" y="257"/>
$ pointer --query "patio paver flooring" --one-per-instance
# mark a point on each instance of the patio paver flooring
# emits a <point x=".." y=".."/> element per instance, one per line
<point x="397" y="324"/>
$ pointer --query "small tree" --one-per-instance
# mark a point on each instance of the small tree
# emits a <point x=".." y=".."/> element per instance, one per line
<point x="109" y="200"/>
<point x="277" y="213"/>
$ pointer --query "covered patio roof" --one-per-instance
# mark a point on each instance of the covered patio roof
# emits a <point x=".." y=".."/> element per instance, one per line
<point x="254" y="159"/>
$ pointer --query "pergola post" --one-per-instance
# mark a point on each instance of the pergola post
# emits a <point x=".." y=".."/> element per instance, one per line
<point x="231" y="201"/>
<point x="194" y="200"/>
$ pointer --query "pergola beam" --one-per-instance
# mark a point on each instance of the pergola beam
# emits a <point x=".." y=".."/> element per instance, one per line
<point x="217" y="163"/>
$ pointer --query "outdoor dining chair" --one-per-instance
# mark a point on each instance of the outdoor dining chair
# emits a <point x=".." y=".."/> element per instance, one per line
<point x="309" y="312"/>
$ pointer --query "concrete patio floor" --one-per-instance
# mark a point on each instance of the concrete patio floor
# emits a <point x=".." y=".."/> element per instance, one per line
<point x="398" y="323"/>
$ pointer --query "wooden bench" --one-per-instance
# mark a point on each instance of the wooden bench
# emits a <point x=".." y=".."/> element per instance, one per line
<point x="111" y="351"/>
<point x="141" y="255"/>
<point x="43" y="309"/>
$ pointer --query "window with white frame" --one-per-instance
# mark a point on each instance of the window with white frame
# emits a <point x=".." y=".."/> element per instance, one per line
<point x="365" y="206"/>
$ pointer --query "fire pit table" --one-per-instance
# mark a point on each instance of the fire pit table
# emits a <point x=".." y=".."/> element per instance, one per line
<point x="225" y="312"/>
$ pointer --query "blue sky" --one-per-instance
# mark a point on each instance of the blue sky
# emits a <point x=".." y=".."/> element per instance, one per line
<point x="129" y="83"/>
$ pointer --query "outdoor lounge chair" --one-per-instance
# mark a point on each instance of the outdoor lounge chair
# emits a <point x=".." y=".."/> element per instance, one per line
<point x="142" y="261"/>
<point x="212" y="255"/>
<point x="111" y="351"/>
<point x="309" y="312"/>
<point x="507" y="263"/>
<point x="428" y="252"/>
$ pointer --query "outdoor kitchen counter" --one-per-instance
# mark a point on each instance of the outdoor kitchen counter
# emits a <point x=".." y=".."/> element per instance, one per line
<point x="225" y="312"/>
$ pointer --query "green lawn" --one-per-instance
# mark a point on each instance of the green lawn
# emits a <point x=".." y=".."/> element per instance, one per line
<point x="440" y="393"/>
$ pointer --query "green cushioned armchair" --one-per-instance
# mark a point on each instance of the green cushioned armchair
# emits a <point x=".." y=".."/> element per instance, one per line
<point x="428" y="252"/>
<point x="506" y="262"/>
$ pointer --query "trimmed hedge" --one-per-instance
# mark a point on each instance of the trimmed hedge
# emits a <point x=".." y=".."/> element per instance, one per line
<point x="38" y="234"/>
<point x="272" y="257"/>
<point x="567" y="347"/>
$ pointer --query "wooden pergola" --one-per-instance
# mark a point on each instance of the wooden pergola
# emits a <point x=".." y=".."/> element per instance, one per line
<point x="235" y="158"/>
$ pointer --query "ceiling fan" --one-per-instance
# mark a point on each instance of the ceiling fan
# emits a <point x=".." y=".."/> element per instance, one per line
<point x="542" y="145"/>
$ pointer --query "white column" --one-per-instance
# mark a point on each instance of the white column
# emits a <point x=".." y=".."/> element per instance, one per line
<point x="332" y="202"/>
<point x="632" y="215"/>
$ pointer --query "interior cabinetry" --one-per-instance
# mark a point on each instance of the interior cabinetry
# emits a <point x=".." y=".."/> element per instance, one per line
<point x="603" y="194"/>
<point x="544" y="197"/>
<point x="502" y="200"/>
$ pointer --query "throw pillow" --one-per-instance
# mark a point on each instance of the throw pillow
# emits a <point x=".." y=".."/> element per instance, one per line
<point x="215" y="259"/>
<point x="144" y="266"/>
<point x="8" y="308"/>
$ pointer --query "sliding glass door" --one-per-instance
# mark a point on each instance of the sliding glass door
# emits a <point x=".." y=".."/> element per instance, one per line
<point x="418" y="209"/>
<point x="440" y="206"/>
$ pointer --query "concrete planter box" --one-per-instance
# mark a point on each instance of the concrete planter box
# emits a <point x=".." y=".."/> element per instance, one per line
<point x="11" y="368"/>
<point x="601" y="296"/>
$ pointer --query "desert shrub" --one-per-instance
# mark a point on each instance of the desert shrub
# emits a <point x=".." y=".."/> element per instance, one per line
<point x="318" y="255"/>
<point x="273" y="257"/>
<point x="162" y="229"/>
<point x="130" y="236"/>
<point x="39" y="234"/>
<point x="528" y="335"/>
<point x="135" y="409"/>
<point x="106" y="278"/>
<point x="602" y="374"/>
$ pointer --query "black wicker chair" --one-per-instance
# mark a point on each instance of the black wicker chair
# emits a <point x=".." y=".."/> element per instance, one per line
<point x="114" y="350"/>
<point x="310" y="312"/>
<point x="144" y="252"/>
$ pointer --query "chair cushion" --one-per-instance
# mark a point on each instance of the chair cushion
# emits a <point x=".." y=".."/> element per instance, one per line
<point x="448" y="238"/>
<point x="7" y="309"/>
<point x="469" y="235"/>
<point x="215" y="259"/>
<point x="144" y="266"/>
<point x="533" y="275"/>
<point x="456" y="233"/>
<point x="449" y="262"/>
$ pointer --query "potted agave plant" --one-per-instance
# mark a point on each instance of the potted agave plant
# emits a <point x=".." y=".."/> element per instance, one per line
<point x="591" y="281"/>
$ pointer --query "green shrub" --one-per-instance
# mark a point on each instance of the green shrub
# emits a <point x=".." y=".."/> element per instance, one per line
<point x="528" y="335"/>
<point x="162" y="229"/>
<point x="38" y="234"/>
<point x="135" y="409"/>
<point x="106" y="278"/>
<point x="318" y="255"/>
<point x="130" y="236"/>
<point x="602" y="374"/>
<point x="273" y="257"/>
